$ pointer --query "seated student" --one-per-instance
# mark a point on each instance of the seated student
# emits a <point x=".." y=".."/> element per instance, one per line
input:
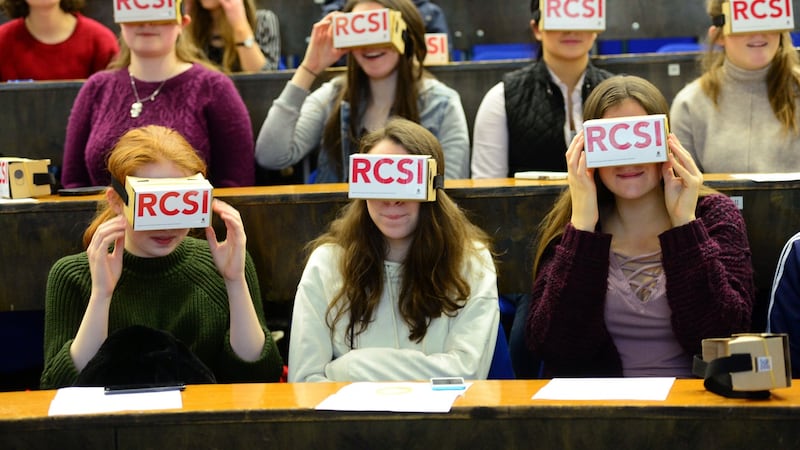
<point x="396" y="290"/>
<point x="379" y="83"/>
<point x="235" y="35"/>
<point x="784" y="304"/>
<point x="741" y="115"/>
<point x="52" y="41"/>
<point x="160" y="78"/>
<point x="636" y="264"/>
<point x="432" y="14"/>
<point x="526" y="121"/>
<point x="205" y="293"/>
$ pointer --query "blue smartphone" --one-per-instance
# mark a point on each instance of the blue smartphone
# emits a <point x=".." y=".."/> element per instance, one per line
<point x="448" y="384"/>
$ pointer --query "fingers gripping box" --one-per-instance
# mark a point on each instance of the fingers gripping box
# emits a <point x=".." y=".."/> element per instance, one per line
<point x="372" y="28"/>
<point x="137" y="11"/>
<point x="24" y="178"/>
<point x="393" y="177"/>
<point x="626" y="140"/>
<point x="167" y="203"/>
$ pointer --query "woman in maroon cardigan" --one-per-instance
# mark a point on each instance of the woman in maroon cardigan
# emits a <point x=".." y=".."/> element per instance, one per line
<point x="636" y="264"/>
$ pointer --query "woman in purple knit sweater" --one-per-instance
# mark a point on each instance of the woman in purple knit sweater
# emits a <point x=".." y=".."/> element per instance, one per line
<point x="636" y="264"/>
<point x="159" y="79"/>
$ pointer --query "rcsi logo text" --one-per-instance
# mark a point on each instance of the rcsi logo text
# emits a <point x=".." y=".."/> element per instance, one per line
<point x="625" y="140"/>
<point x="361" y="28"/>
<point x="437" y="46"/>
<point x="133" y="11"/>
<point x="172" y="203"/>
<point x="573" y="15"/>
<point x="747" y="16"/>
<point x="400" y="177"/>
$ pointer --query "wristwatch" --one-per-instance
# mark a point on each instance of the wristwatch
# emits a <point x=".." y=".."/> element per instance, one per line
<point x="247" y="42"/>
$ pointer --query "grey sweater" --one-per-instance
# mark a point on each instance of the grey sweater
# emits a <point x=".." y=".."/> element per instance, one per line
<point x="742" y="134"/>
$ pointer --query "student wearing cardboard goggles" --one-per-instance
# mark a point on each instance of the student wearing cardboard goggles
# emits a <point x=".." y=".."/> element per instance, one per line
<point x="385" y="44"/>
<point x="526" y="121"/>
<point x="637" y="262"/>
<point x="396" y="289"/>
<point x="205" y="293"/>
<point x="743" y="113"/>
<point x="159" y="78"/>
<point x="235" y="35"/>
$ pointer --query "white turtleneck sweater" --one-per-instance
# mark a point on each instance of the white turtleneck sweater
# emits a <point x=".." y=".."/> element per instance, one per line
<point x="742" y="134"/>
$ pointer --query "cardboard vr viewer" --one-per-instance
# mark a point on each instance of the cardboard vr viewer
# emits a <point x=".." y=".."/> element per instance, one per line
<point x="438" y="49"/>
<point x="626" y="140"/>
<point x="753" y="16"/>
<point x="393" y="177"/>
<point x="574" y="15"/>
<point x="771" y="366"/>
<point x="139" y="11"/>
<point x="167" y="203"/>
<point x="372" y="28"/>
<point x="24" y="178"/>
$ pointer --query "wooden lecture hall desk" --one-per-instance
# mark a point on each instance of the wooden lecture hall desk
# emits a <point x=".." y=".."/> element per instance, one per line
<point x="498" y="414"/>
<point x="280" y="220"/>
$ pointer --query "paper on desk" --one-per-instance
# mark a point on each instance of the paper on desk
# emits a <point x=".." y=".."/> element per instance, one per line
<point x="792" y="176"/>
<point x="92" y="400"/>
<point x="393" y="397"/>
<point x="13" y="201"/>
<point x="650" y="388"/>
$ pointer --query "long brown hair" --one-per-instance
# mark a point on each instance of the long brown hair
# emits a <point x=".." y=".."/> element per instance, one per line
<point x="137" y="148"/>
<point x="442" y="242"/>
<point x="200" y="31"/>
<point x="609" y="93"/>
<point x="783" y="76"/>
<point x="355" y="84"/>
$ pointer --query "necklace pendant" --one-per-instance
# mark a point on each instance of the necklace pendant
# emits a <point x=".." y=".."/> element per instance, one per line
<point x="136" y="109"/>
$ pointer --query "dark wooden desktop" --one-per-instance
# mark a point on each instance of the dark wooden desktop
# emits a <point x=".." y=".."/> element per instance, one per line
<point x="491" y="414"/>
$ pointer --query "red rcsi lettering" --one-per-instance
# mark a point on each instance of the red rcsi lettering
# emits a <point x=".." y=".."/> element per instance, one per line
<point x="382" y="171"/>
<point x="360" y="169"/>
<point x="143" y="4"/>
<point x="435" y="44"/>
<point x="376" y="172"/>
<point x="151" y="205"/>
<point x="574" y="8"/>
<point x="402" y="167"/>
<point x="360" y="23"/>
<point x="3" y="172"/>
<point x="760" y="9"/>
<point x="643" y="134"/>
<point x="340" y="25"/>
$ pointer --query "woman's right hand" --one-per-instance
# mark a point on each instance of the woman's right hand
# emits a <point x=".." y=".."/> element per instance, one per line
<point x="321" y="53"/>
<point x="105" y="266"/>
<point x="582" y="188"/>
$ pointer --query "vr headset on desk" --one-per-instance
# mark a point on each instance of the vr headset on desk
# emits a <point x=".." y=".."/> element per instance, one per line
<point x="745" y="365"/>
<point x="25" y="178"/>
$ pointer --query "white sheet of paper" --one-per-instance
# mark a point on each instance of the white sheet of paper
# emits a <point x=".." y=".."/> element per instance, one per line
<point x="12" y="201"/>
<point x="92" y="400"/>
<point x="633" y="388"/>
<point x="789" y="176"/>
<point x="392" y="397"/>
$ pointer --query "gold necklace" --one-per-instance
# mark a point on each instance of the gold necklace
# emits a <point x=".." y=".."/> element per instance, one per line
<point x="136" y="107"/>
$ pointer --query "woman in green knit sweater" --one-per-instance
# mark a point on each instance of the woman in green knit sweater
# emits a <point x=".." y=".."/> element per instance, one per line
<point x="203" y="292"/>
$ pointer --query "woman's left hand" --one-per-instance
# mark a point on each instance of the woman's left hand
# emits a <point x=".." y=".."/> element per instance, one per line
<point x="682" y="181"/>
<point x="229" y="255"/>
<point x="234" y="12"/>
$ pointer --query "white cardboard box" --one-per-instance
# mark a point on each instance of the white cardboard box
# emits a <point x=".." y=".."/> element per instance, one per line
<point x="136" y="11"/>
<point x="750" y="16"/>
<point x="392" y="177"/>
<point x="438" y="49"/>
<point x="167" y="203"/>
<point x="626" y="140"/>
<point x="372" y="28"/>
<point x="583" y="15"/>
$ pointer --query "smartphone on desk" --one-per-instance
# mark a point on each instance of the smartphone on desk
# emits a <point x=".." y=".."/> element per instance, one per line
<point x="141" y="388"/>
<point x="448" y="384"/>
<point x="87" y="190"/>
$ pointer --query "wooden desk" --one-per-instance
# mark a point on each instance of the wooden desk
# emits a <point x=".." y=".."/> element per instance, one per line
<point x="280" y="220"/>
<point x="492" y="414"/>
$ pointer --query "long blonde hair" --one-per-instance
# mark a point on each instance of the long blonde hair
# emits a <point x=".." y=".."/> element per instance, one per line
<point x="443" y="240"/>
<point x="137" y="148"/>
<point x="783" y="77"/>
<point x="607" y="94"/>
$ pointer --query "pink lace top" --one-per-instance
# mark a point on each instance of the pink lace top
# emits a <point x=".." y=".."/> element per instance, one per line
<point x="637" y="316"/>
